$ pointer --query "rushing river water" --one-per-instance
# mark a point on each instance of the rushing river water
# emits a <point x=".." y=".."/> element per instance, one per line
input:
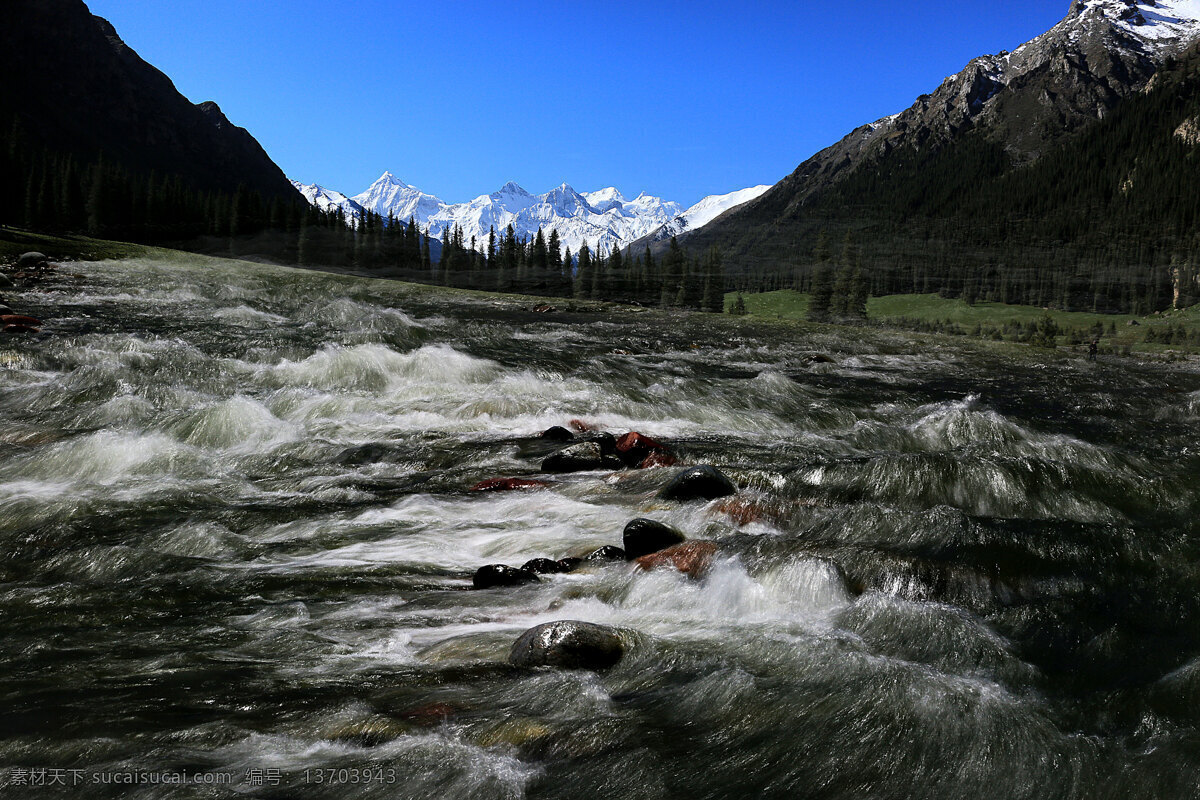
<point x="237" y="541"/>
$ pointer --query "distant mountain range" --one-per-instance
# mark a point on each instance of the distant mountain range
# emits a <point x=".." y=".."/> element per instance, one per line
<point x="604" y="219"/>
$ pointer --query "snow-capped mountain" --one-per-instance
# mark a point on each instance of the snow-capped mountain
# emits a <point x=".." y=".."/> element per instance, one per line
<point x="705" y="212"/>
<point x="389" y="194"/>
<point x="604" y="218"/>
<point x="326" y="199"/>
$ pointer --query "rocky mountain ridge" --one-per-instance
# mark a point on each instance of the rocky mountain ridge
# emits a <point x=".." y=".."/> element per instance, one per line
<point x="1049" y="87"/>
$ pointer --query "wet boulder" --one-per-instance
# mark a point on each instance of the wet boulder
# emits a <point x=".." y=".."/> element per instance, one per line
<point x="494" y="575"/>
<point x="557" y="434"/>
<point x="691" y="558"/>
<point x="569" y="564"/>
<point x="645" y="536"/>
<point x="568" y="644"/>
<point x="606" y="553"/>
<point x="585" y="457"/>
<point x="545" y="566"/>
<point x="579" y="426"/>
<point x="698" y="483"/>
<point x="508" y="485"/>
<point x="607" y="442"/>
<point x="17" y="330"/>
<point x="32" y="261"/>
<point x="6" y="282"/>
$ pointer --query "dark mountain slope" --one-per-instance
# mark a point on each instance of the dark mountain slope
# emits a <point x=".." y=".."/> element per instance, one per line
<point x="921" y="193"/>
<point x="76" y="88"/>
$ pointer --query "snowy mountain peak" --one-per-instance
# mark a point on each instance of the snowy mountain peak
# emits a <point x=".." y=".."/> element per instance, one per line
<point x="603" y="219"/>
<point x="327" y="199"/>
<point x="1159" y="26"/>
<point x="510" y="189"/>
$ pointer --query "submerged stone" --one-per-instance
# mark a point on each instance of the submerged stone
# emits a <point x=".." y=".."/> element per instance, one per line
<point x="698" y="483"/>
<point x="494" y="575"/>
<point x="508" y="485"/>
<point x="585" y="457"/>
<point x="691" y="558"/>
<point x="644" y="536"/>
<point x="569" y="644"/>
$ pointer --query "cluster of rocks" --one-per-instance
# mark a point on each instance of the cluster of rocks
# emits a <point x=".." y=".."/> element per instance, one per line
<point x="588" y="449"/>
<point x="31" y="268"/>
<point x="646" y="543"/>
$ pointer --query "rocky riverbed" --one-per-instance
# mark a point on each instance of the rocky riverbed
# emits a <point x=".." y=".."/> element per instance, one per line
<point x="244" y="512"/>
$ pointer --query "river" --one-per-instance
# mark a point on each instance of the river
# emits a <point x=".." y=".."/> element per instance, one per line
<point x="238" y="541"/>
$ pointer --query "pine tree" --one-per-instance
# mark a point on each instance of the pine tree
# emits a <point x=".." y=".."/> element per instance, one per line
<point x="583" y="273"/>
<point x="714" y="282"/>
<point x="856" y="302"/>
<point x="821" y="299"/>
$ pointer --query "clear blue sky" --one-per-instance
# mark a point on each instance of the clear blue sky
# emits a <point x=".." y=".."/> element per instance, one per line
<point x="681" y="99"/>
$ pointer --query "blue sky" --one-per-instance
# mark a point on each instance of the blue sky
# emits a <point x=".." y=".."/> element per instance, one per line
<point x="680" y="99"/>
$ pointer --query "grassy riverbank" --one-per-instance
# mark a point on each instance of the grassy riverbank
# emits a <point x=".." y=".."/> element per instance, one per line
<point x="1170" y="331"/>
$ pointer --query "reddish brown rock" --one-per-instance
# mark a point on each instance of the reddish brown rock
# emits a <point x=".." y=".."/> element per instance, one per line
<point x="429" y="714"/>
<point x="691" y="558"/>
<point x="579" y="426"/>
<point x="508" y="485"/>
<point x="634" y="448"/>
<point x="20" y="319"/>
<point x="743" y="510"/>
<point x="657" y="459"/>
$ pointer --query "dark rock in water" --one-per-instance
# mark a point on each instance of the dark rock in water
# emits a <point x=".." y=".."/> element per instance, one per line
<point x="633" y="448"/>
<point x="543" y="566"/>
<point x="606" y="553"/>
<point x="4" y="310"/>
<point x="568" y="644"/>
<point x="32" y="261"/>
<point x="6" y="282"/>
<point x="365" y="454"/>
<point x="607" y="442"/>
<point x="706" y="482"/>
<point x="501" y="575"/>
<point x="583" y="457"/>
<point x="557" y="434"/>
<point x="818" y="358"/>
<point x="691" y="558"/>
<point x="508" y="485"/>
<point x="429" y="714"/>
<point x="569" y="564"/>
<point x="645" y="536"/>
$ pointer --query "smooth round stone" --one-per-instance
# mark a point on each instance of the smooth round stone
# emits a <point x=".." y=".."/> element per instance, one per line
<point x="568" y="644"/>
<point x="698" y="483"/>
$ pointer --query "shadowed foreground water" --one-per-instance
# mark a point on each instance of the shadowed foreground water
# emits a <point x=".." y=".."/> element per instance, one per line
<point x="237" y="541"/>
